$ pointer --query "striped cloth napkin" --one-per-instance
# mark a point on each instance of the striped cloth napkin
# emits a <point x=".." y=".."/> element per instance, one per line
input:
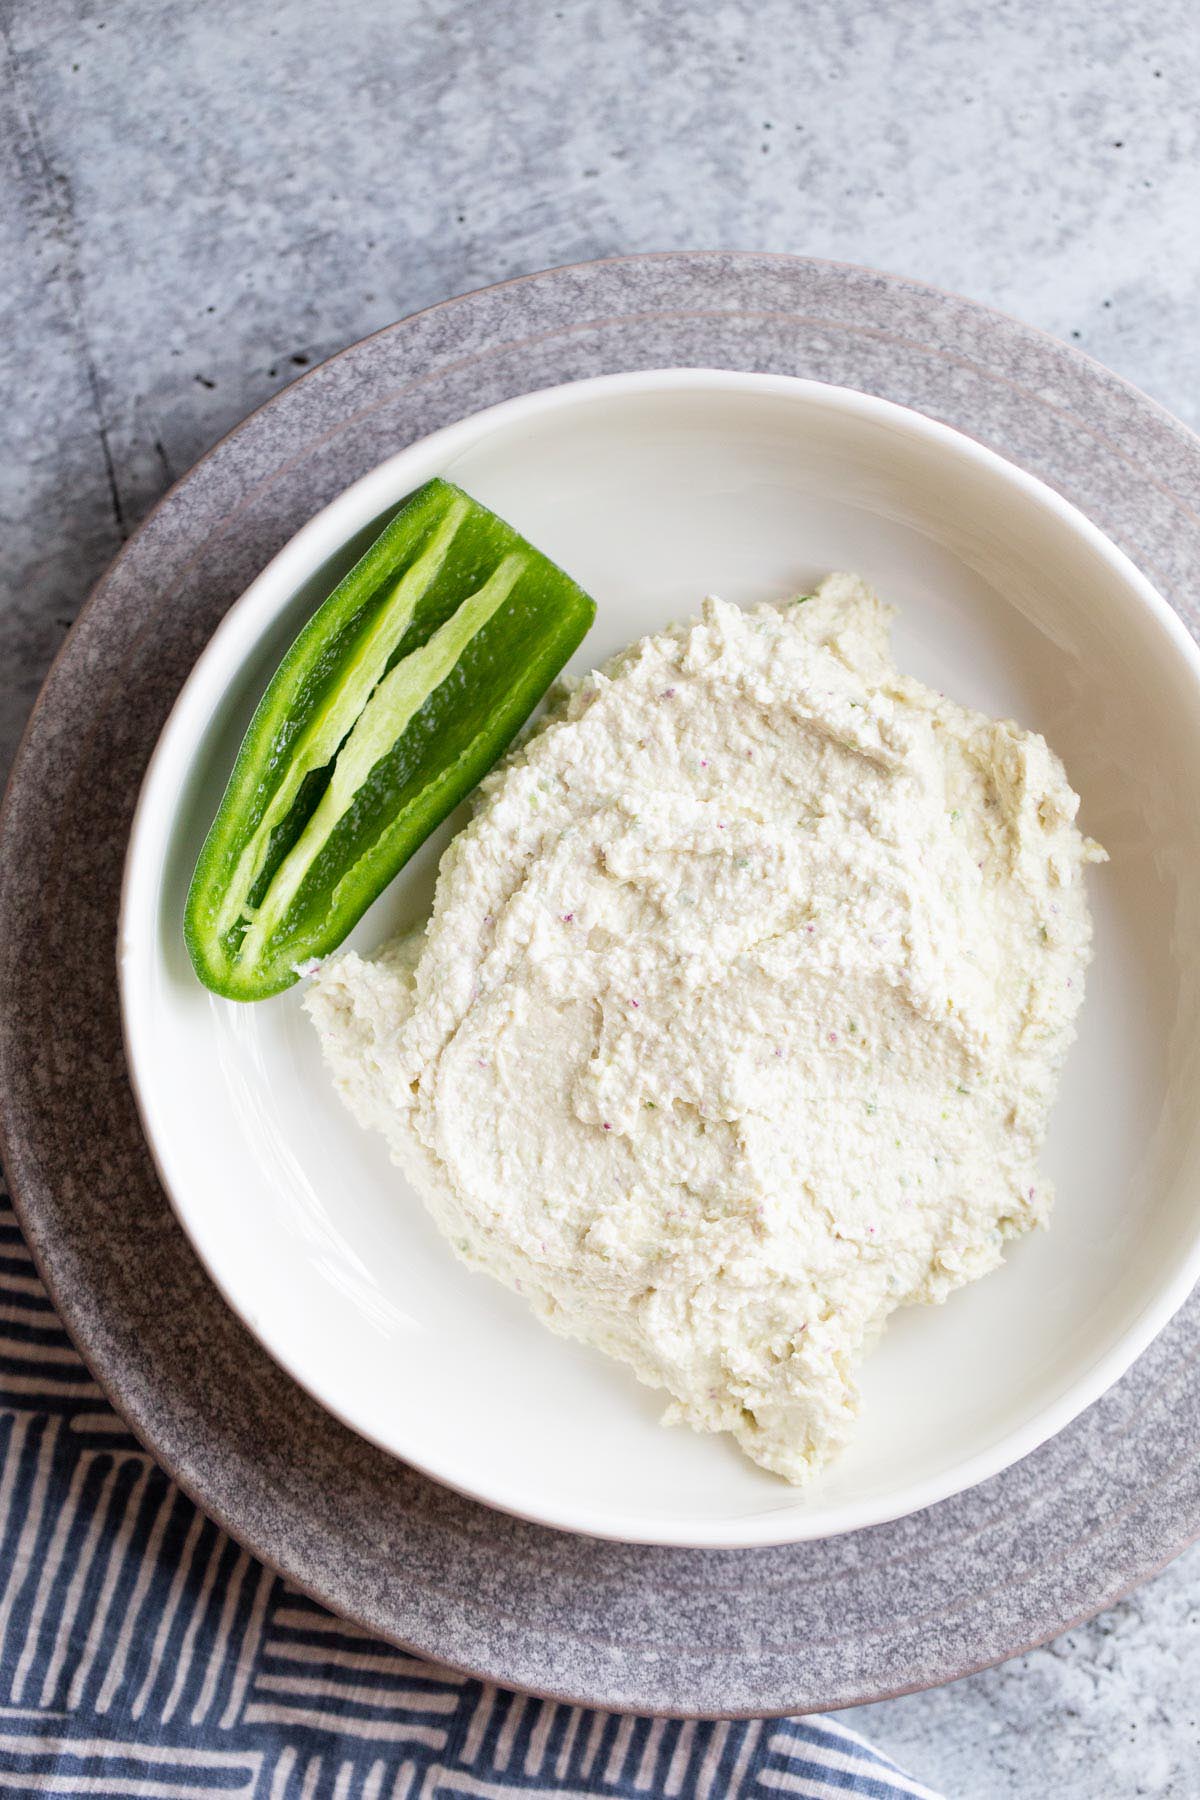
<point x="142" y="1652"/>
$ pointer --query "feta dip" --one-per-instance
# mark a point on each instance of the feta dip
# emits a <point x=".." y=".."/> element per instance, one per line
<point x="740" y="1011"/>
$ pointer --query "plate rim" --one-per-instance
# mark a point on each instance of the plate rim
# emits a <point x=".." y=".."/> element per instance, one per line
<point x="219" y="665"/>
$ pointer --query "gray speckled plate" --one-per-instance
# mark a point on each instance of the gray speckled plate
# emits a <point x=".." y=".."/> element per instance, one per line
<point x="816" y="1625"/>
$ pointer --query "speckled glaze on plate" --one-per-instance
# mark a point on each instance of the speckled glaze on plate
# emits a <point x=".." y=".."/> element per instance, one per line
<point x="816" y="1625"/>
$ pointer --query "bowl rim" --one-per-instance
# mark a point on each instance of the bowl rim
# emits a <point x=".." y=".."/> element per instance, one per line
<point x="224" y="654"/>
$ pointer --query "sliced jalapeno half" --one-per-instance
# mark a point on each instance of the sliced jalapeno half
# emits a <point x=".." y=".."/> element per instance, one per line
<point x="399" y="694"/>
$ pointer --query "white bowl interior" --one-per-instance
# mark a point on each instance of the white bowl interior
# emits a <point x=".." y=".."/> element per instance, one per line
<point x="653" y="491"/>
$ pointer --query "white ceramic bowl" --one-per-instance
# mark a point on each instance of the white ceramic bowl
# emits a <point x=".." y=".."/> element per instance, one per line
<point x="653" y="489"/>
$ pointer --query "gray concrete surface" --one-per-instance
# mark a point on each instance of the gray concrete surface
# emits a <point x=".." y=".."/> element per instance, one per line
<point x="200" y="200"/>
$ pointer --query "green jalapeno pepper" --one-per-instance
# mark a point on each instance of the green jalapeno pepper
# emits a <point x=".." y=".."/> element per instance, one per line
<point x="399" y="694"/>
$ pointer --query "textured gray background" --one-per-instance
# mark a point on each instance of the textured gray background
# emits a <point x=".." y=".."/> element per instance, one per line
<point x="208" y="198"/>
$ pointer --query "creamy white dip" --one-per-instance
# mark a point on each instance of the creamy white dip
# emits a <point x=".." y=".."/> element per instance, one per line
<point x="740" y="1011"/>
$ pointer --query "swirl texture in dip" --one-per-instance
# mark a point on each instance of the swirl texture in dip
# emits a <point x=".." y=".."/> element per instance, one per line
<point x="740" y="1012"/>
